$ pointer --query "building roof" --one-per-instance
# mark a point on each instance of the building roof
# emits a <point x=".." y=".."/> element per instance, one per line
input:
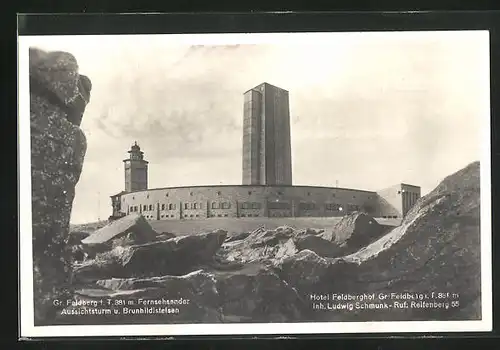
<point x="118" y="194"/>
<point x="222" y="186"/>
<point x="264" y="83"/>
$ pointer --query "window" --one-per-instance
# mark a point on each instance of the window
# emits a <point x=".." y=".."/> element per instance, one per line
<point x="171" y="206"/>
<point x="250" y="205"/>
<point x="197" y="215"/>
<point x="243" y="215"/>
<point x="332" y="207"/>
<point x="163" y="206"/>
<point x="190" y="193"/>
<point x="225" y="215"/>
<point x="280" y="193"/>
<point x="249" y="192"/>
<point x="150" y="207"/>
<point x="308" y="193"/>
<point x="196" y="206"/>
<point x="279" y="205"/>
<point x="226" y="205"/>
<point x="133" y="197"/>
<point x="166" y="194"/>
<point x="219" y="215"/>
<point x="147" y="196"/>
<point x="218" y="193"/>
<point x="307" y="206"/>
<point x="215" y="205"/>
<point x="186" y="205"/>
<point x="191" y="215"/>
<point x="352" y="207"/>
<point x="144" y="207"/>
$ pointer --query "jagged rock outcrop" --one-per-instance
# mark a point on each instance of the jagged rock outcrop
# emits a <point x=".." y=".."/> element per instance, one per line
<point x="252" y="293"/>
<point x="129" y="230"/>
<point x="436" y="249"/>
<point x="191" y="298"/>
<point x="319" y="245"/>
<point x="76" y="237"/>
<point x="58" y="96"/>
<point x="354" y="231"/>
<point x="175" y="256"/>
<point x="272" y="246"/>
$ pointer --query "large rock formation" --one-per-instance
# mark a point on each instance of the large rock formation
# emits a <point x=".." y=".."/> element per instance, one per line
<point x="354" y="231"/>
<point x="58" y="96"/>
<point x="272" y="246"/>
<point x="435" y="250"/>
<point x="131" y="229"/>
<point x="252" y="293"/>
<point x="175" y="256"/>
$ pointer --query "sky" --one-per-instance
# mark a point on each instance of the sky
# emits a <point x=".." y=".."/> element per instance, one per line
<point x="368" y="110"/>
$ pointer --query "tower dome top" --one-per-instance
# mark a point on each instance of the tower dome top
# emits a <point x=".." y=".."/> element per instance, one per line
<point x="135" y="147"/>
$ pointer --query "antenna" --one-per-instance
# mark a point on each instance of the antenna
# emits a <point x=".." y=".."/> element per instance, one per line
<point x="98" y="206"/>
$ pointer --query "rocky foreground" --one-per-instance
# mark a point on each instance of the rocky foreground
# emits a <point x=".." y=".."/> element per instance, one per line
<point x="428" y="268"/>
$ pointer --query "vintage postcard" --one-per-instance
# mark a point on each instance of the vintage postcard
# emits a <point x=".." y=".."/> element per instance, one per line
<point x="294" y="183"/>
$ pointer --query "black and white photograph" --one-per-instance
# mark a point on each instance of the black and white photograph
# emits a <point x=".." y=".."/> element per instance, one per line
<point x="285" y="183"/>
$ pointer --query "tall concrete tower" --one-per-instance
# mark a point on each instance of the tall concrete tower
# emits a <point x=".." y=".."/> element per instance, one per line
<point x="136" y="170"/>
<point x="267" y="154"/>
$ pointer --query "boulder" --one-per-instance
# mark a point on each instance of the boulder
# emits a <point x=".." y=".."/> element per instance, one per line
<point x="164" y="236"/>
<point x="58" y="146"/>
<point x="435" y="250"/>
<point x="261" y="245"/>
<point x="251" y="293"/>
<point x="354" y="231"/>
<point x="175" y="256"/>
<point x="255" y="293"/>
<point x="129" y="230"/>
<point x="318" y="245"/>
<point x="272" y="246"/>
<point x="76" y="237"/>
<point x="238" y="236"/>
<point x="191" y="298"/>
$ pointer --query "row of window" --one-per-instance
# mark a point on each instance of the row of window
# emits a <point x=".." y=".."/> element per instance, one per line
<point x="249" y="205"/>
